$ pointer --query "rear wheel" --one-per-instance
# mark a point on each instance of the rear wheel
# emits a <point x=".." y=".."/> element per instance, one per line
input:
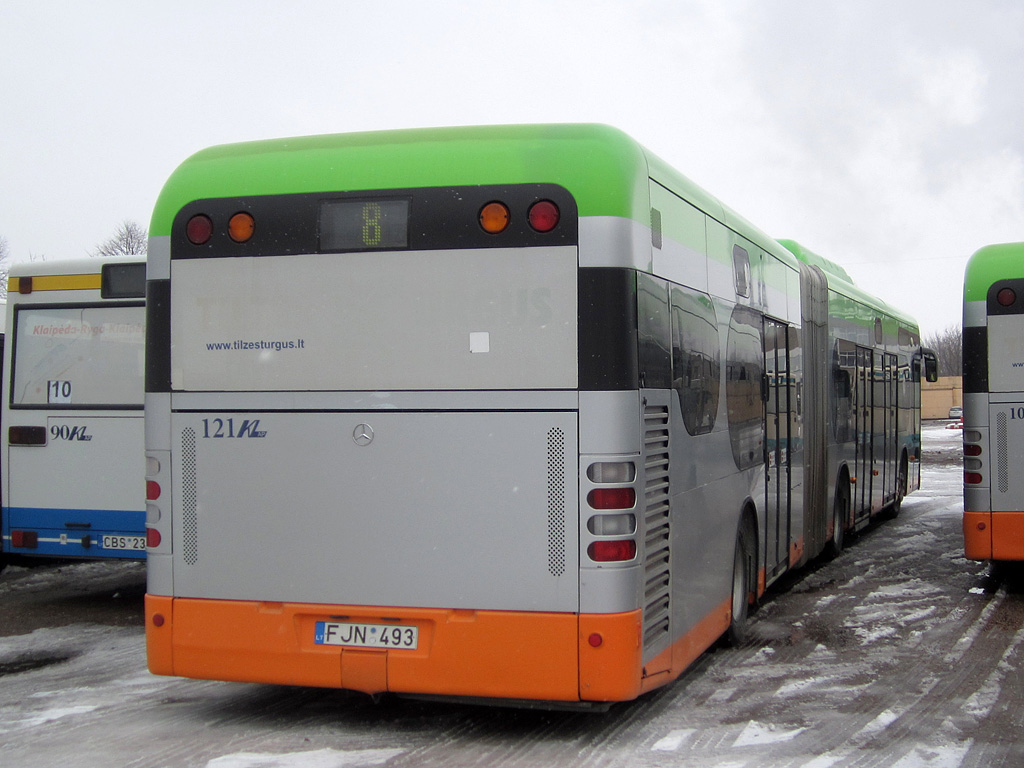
<point x="901" y="490"/>
<point x="742" y="572"/>
<point x="840" y="514"/>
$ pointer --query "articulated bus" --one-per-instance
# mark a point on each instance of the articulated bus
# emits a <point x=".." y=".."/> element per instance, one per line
<point x="993" y="377"/>
<point x="513" y="413"/>
<point x="73" y="450"/>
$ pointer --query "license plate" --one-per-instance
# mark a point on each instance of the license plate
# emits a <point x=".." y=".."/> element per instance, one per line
<point x="352" y="635"/>
<point x="124" y="542"/>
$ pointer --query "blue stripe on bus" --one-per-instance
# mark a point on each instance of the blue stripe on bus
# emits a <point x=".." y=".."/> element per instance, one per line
<point x="67" y="520"/>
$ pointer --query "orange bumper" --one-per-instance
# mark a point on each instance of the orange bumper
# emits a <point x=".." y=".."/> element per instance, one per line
<point x="994" y="535"/>
<point x="519" y="655"/>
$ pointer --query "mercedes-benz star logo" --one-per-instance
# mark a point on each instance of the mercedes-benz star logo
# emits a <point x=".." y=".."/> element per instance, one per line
<point x="362" y="434"/>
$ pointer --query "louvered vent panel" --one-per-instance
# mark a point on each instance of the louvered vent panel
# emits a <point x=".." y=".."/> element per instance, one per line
<point x="189" y="516"/>
<point x="1002" y="454"/>
<point x="657" y="564"/>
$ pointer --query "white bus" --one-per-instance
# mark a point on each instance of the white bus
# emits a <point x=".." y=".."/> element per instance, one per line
<point x="73" y="465"/>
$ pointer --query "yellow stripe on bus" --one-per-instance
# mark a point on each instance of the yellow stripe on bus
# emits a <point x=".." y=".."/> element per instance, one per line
<point x="57" y="283"/>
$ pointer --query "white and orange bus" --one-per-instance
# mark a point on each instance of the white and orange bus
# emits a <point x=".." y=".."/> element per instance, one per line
<point x="505" y="413"/>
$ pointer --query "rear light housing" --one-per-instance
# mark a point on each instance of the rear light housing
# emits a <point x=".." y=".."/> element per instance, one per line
<point x="199" y="229"/>
<point x="972" y="478"/>
<point x="543" y="216"/>
<point x="494" y="218"/>
<point x="612" y="498"/>
<point x="612" y="551"/>
<point x="26" y="435"/>
<point x="25" y="539"/>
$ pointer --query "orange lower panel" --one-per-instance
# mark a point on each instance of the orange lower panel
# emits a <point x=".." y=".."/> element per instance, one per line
<point x="460" y="653"/>
<point x="500" y="654"/>
<point x="978" y="535"/>
<point x="994" y="535"/>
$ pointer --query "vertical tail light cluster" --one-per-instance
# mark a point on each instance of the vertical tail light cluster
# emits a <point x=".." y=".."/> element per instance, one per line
<point x="974" y="458"/>
<point x="612" y="499"/>
<point x="157" y="500"/>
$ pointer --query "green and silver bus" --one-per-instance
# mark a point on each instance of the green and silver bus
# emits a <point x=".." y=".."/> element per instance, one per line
<point x="501" y="412"/>
<point x="993" y="378"/>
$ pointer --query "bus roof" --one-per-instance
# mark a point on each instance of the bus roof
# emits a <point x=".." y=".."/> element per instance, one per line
<point x="1001" y="261"/>
<point x="606" y="171"/>
<point x="81" y="266"/>
<point x="839" y="280"/>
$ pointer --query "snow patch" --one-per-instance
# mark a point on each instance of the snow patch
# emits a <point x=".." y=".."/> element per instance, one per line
<point x="320" y="758"/>
<point x="48" y="716"/>
<point x="672" y="741"/>
<point x="758" y="734"/>
<point x="880" y="723"/>
<point x="949" y="756"/>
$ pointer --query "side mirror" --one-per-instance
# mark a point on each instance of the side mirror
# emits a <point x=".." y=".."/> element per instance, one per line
<point x="931" y="364"/>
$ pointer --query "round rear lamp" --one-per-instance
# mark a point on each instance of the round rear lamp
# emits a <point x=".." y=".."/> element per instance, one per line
<point x="241" y="227"/>
<point x="199" y="229"/>
<point x="543" y="216"/>
<point x="1006" y="297"/>
<point x="494" y="218"/>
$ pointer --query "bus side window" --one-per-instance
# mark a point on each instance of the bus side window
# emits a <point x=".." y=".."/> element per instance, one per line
<point x="696" y="358"/>
<point x="653" y="332"/>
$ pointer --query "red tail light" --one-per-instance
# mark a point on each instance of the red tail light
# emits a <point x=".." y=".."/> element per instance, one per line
<point x="972" y="478"/>
<point x="26" y="539"/>
<point x="152" y="490"/>
<point x="972" y="450"/>
<point x="612" y="498"/>
<point x="612" y="551"/>
<point x="199" y="229"/>
<point x="543" y="216"/>
<point x="152" y="537"/>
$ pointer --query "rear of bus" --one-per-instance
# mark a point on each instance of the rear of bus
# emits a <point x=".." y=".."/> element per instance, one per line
<point x="363" y="440"/>
<point x="73" y="410"/>
<point x="993" y="368"/>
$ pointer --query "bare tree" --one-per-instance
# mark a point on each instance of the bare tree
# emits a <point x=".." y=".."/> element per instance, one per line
<point x="5" y="267"/>
<point x="947" y="345"/>
<point x="129" y="240"/>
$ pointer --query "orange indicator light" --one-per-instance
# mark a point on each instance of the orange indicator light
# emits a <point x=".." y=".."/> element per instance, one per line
<point x="241" y="226"/>
<point x="494" y="217"/>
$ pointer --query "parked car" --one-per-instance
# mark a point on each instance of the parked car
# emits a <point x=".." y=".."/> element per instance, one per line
<point x="956" y="412"/>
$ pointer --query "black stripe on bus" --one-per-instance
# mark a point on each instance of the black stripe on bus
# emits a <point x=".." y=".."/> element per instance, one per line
<point x="608" y="351"/>
<point x="975" y="359"/>
<point x="158" y="336"/>
<point x="439" y="218"/>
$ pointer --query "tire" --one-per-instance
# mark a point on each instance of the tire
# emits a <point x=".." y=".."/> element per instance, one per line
<point x="840" y="513"/>
<point x="893" y="510"/>
<point x="741" y="581"/>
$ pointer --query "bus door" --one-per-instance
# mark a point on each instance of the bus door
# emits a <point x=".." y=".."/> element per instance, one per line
<point x="777" y="447"/>
<point x="864" y="412"/>
<point x="892" y="448"/>
<point x="879" y="431"/>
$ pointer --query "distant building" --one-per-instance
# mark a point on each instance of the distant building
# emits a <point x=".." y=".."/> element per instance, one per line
<point x="938" y="397"/>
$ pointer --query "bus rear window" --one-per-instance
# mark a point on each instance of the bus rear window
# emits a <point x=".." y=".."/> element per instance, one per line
<point x="63" y="357"/>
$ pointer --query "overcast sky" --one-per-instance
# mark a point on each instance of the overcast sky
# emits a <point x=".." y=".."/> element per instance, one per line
<point x="883" y="134"/>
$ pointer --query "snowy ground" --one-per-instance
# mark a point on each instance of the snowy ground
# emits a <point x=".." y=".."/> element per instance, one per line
<point x="898" y="653"/>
